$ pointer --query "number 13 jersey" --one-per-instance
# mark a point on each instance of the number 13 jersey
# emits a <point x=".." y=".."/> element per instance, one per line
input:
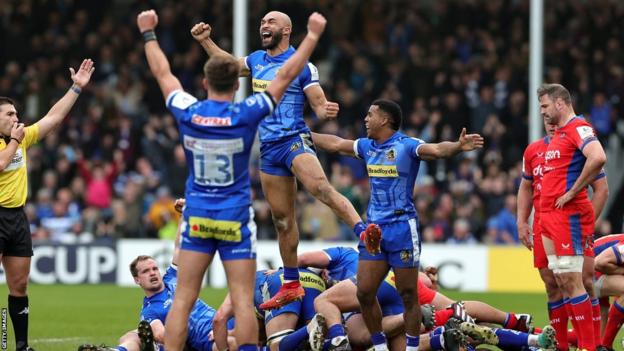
<point x="217" y="137"/>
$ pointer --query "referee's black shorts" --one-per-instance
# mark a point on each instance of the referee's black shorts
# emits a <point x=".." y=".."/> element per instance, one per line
<point x="15" y="237"/>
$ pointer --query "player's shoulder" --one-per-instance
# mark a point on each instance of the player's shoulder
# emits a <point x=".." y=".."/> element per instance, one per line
<point x="256" y="56"/>
<point x="181" y="100"/>
<point x="535" y="147"/>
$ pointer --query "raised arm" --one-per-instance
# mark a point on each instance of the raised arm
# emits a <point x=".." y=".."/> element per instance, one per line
<point x="57" y="113"/>
<point x="446" y="149"/>
<point x="156" y="59"/>
<point x="201" y="32"/>
<point x="293" y="66"/>
<point x="525" y="198"/>
<point x="600" y="196"/>
<point x="595" y="160"/>
<point x="316" y="259"/>
<point x="334" y="144"/>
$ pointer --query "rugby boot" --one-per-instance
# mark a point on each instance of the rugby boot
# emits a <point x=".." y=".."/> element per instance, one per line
<point x="287" y="293"/>
<point x="371" y="237"/>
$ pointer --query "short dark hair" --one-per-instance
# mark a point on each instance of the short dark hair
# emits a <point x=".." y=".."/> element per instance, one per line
<point x="135" y="262"/>
<point x="392" y="109"/>
<point x="554" y="92"/>
<point x="6" y="101"/>
<point x="221" y="72"/>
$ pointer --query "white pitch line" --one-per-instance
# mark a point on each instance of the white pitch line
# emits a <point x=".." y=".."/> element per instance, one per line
<point x="57" y="340"/>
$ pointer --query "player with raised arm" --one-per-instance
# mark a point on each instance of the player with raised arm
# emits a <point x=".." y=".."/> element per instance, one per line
<point x="217" y="136"/>
<point x="573" y="160"/>
<point x="529" y="193"/>
<point x="286" y="147"/>
<point x="392" y="160"/>
<point x="15" y="238"/>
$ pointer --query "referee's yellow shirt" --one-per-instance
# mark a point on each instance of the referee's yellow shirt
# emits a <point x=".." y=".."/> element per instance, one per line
<point x="14" y="178"/>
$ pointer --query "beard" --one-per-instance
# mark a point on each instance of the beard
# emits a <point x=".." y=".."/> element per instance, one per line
<point x="276" y="37"/>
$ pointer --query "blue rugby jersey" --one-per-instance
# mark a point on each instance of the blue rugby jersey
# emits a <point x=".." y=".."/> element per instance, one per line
<point x="287" y="119"/>
<point x="157" y="306"/>
<point x="217" y="138"/>
<point x="343" y="262"/>
<point x="392" y="169"/>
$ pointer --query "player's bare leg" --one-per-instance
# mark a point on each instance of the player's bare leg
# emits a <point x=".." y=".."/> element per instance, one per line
<point x="331" y="303"/>
<point x="369" y="276"/>
<point x="280" y="192"/>
<point x="241" y="277"/>
<point x="407" y="287"/>
<point x="191" y="268"/>
<point x="309" y="171"/>
<point x="275" y="327"/>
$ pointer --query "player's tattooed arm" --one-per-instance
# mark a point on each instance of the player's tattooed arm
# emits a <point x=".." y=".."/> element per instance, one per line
<point x="334" y="144"/>
<point x="201" y="32"/>
<point x="446" y="149"/>
<point x="525" y="196"/>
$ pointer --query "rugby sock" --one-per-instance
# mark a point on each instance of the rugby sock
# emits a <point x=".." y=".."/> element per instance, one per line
<point x="558" y="316"/>
<point x="379" y="341"/>
<point x="18" y="310"/>
<point x="437" y="341"/>
<point x="508" y="337"/>
<point x="335" y="331"/>
<point x="614" y="323"/>
<point x="248" y="347"/>
<point x="510" y="321"/>
<point x="572" y="337"/>
<point x="412" y="342"/>
<point x="441" y="317"/>
<point x="358" y="228"/>
<point x="291" y="274"/>
<point x="292" y="340"/>
<point x="596" y="320"/>
<point x="582" y="311"/>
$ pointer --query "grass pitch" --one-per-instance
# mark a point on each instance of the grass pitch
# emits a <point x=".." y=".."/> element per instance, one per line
<point x="65" y="316"/>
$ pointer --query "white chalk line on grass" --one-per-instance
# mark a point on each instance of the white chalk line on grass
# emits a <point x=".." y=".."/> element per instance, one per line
<point x="57" y="340"/>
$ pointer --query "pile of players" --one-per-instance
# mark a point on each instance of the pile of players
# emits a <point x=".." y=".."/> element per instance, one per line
<point x="342" y="298"/>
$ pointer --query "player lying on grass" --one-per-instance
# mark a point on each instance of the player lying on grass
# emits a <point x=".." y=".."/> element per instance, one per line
<point x="280" y="325"/>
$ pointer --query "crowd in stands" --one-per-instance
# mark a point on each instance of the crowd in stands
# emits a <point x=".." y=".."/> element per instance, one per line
<point x="115" y="166"/>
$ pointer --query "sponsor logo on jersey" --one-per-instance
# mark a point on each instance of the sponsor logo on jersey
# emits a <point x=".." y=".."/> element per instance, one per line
<point x="259" y="67"/>
<point x="540" y="154"/>
<point x="295" y="146"/>
<point x="538" y="171"/>
<point x="17" y="161"/>
<point x="382" y="171"/>
<point x="211" y="121"/>
<point x="208" y="228"/>
<point x="553" y="154"/>
<point x="371" y="153"/>
<point x="390" y="155"/>
<point x="259" y="85"/>
<point x="309" y="281"/>
<point x="585" y="132"/>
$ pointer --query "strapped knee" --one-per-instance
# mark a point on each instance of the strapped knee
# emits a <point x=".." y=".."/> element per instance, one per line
<point x="567" y="264"/>
<point x="274" y="338"/>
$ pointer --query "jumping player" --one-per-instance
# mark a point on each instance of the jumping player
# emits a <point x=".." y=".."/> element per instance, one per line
<point x="217" y="136"/>
<point x="573" y="159"/>
<point x="285" y="143"/>
<point x="392" y="160"/>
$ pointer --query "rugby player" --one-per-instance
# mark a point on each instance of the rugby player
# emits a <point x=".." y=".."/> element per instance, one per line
<point x="286" y="147"/>
<point x="217" y="136"/>
<point x="529" y="193"/>
<point x="392" y="161"/>
<point x="573" y="160"/>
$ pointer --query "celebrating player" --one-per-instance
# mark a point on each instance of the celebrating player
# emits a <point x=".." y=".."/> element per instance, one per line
<point x="217" y="136"/>
<point x="392" y="160"/>
<point x="15" y="239"/>
<point x="573" y="159"/>
<point x="529" y="196"/>
<point x="286" y="148"/>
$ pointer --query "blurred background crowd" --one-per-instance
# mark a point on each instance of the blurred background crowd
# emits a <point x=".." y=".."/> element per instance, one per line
<point x="115" y="166"/>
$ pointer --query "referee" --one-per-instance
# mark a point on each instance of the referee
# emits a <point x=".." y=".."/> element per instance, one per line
<point x="15" y="241"/>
